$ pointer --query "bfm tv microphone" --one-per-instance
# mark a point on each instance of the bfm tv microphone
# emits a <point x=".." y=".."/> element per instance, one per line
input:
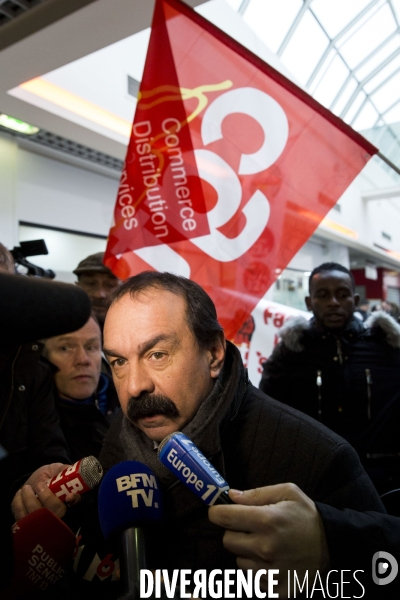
<point x="76" y="479"/>
<point x="129" y="500"/>
<point x="43" y="548"/>
<point x="179" y="454"/>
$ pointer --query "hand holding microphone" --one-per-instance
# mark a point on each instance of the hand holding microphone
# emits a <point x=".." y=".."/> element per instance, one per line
<point x="271" y="527"/>
<point x="52" y="486"/>
<point x="274" y="527"/>
<point x="78" y="478"/>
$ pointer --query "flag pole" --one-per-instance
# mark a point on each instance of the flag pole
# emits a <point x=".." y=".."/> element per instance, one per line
<point x="388" y="162"/>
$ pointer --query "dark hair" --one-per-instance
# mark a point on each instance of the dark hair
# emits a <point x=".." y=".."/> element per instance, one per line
<point x="200" y="309"/>
<point x="6" y="260"/>
<point x="331" y="266"/>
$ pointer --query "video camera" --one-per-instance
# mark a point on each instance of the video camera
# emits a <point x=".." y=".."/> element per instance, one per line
<point x="32" y="248"/>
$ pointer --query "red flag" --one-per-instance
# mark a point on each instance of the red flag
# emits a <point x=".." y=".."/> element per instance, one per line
<point x="230" y="166"/>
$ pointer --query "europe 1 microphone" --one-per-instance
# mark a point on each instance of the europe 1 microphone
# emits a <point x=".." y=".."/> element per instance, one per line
<point x="180" y="455"/>
<point x="129" y="502"/>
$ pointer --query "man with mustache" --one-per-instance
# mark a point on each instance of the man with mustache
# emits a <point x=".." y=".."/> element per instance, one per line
<point x="175" y="371"/>
<point x="343" y="373"/>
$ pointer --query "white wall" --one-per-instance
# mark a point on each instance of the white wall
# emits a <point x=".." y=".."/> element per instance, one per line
<point x="314" y="252"/>
<point x="49" y="190"/>
<point x="383" y="216"/>
<point x="8" y="165"/>
<point x="365" y="219"/>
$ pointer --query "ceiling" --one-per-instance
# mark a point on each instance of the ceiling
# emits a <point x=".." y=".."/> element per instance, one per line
<point x="346" y="54"/>
<point x="55" y="33"/>
<point x="12" y="9"/>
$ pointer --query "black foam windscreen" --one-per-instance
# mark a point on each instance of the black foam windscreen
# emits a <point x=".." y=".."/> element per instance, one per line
<point x="32" y="308"/>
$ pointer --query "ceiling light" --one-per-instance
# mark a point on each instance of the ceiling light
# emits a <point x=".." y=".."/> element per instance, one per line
<point x="17" y="125"/>
<point x="339" y="228"/>
<point x="71" y="102"/>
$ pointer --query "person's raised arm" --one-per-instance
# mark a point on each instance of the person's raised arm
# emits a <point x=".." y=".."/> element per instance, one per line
<point x="274" y="527"/>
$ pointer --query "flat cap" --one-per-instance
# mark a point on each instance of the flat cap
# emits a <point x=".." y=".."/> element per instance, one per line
<point x="92" y="264"/>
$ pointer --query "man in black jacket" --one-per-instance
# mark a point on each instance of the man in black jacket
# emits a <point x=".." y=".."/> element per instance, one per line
<point x="174" y="370"/>
<point x="29" y="427"/>
<point x="85" y="398"/>
<point x="30" y="433"/>
<point x="343" y="373"/>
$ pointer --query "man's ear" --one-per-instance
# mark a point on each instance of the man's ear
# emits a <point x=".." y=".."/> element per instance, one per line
<point x="356" y="299"/>
<point x="217" y="351"/>
<point x="308" y="303"/>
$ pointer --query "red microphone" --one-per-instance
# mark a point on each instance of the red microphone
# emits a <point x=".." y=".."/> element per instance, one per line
<point x="76" y="479"/>
<point x="43" y="548"/>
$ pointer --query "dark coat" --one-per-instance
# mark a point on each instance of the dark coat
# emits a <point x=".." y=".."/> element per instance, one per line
<point x="354" y="538"/>
<point x="83" y="424"/>
<point x="30" y="433"/>
<point x="29" y="424"/>
<point x="350" y="382"/>
<point x="262" y="442"/>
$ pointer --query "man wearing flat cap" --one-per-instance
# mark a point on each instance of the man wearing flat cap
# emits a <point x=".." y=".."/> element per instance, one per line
<point x="98" y="282"/>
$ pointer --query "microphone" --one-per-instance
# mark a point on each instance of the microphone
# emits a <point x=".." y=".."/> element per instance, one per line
<point x="32" y="309"/>
<point x="43" y="547"/>
<point x="77" y="479"/>
<point x="179" y="454"/>
<point x="129" y="501"/>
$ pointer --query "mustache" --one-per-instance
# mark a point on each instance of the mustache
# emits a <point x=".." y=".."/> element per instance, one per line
<point x="148" y="405"/>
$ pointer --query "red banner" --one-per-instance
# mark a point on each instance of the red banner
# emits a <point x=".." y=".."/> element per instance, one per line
<point x="230" y="166"/>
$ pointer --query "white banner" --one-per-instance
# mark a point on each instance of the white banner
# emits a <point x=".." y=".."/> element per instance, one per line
<point x="257" y="337"/>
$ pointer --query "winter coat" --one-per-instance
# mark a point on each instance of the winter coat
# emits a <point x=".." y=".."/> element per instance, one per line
<point x="349" y="381"/>
<point x="30" y="434"/>
<point x="85" y="423"/>
<point x="258" y="442"/>
<point x="29" y="425"/>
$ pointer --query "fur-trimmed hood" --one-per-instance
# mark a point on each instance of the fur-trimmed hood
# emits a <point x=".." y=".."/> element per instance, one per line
<point x="291" y="333"/>
<point x="390" y="327"/>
